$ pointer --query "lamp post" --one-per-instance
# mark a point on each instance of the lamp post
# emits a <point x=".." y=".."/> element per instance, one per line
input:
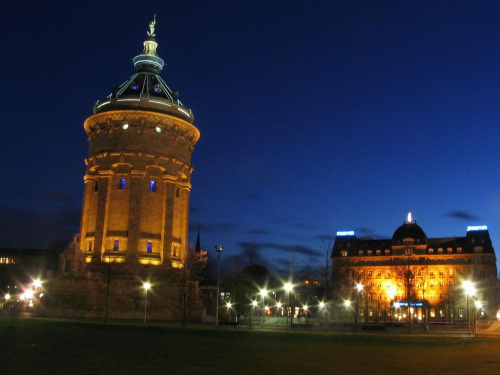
<point x="146" y="287"/>
<point x="359" y="288"/>
<point x="469" y="291"/>
<point x="254" y="305"/>
<point x="37" y="288"/>
<point x="278" y="307"/>
<point x="263" y="293"/>
<point x="288" y="288"/>
<point x="479" y="306"/>
<point x="347" y="304"/>
<point x="219" y="250"/>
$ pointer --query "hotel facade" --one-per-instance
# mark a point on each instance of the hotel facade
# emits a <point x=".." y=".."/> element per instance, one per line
<point x="441" y="279"/>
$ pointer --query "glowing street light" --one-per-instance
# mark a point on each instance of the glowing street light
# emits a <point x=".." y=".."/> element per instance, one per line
<point x="28" y="294"/>
<point x="263" y="293"/>
<point x="359" y="288"/>
<point x="228" y="305"/>
<point x="469" y="291"/>
<point x="218" y="249"/>
<point x="146" y="287"/>
<point x="347" y="305"/>
<point x="7" y="297"/>
<point x="278" y="307"/>
<point x="288" y="288"/>
<point x="37" y="283"/>
<point x="479" y="306"/>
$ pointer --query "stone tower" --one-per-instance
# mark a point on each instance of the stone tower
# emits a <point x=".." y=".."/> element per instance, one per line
<point x="138" y="173"/>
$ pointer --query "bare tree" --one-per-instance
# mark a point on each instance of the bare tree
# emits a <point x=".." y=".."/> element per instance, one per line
<point x="327" y="246"/>
<point x="193" y="263"/>
<point x="251" y="251"/>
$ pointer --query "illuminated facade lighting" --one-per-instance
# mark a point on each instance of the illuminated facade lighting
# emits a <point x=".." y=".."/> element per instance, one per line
<point x="476" y="228"/>
<point x="345" y="233"/>
<point x="412" y="270"/>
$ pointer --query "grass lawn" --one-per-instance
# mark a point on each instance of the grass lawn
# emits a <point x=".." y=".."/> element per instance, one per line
<point x="60" y="347"/>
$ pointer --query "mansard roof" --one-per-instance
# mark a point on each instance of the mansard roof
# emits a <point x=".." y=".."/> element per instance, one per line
<point x="474" y="241"/>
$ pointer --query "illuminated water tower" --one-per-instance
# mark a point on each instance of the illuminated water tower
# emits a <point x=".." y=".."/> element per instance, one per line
<point x="138" y="173"/>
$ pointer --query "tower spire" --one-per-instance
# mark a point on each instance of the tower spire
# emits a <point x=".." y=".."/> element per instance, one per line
<point x="150" y="44"/>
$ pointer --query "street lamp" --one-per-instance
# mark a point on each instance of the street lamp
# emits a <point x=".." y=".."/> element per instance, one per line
<point x="254" y="305"/>
<point x="469" y="291"/>
<point x="359" y="288"/>
<point x="146" y="287"/>
<point x="347" y="304"/>
<point x="219" y="250"/>
<point x="479" y="306"/>
<point x="263" y="293"/>
<point x="288" y="288"/>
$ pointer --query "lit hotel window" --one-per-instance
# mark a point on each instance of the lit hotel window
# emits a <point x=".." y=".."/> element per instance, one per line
<point x="152" y="186"/>
<point x="149" y="247"/>
<point x="116" y="245"/>
<point x="121" y="186"/>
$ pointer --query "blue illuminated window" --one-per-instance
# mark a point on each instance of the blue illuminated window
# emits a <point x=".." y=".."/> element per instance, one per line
<point x="152" y="185"/>
<point x="122" y="183"/>
<point x="134" y="87"/>
<point x="156" y="89"/>
<point x="116" y="246"/>
<point x="149" y="247"/>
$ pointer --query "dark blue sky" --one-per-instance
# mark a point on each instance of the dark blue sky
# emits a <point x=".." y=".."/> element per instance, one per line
<point x="314" y="116"/>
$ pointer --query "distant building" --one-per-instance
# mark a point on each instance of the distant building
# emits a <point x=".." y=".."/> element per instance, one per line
<point x="380" y="278"/>
<point x="20" y="267"/>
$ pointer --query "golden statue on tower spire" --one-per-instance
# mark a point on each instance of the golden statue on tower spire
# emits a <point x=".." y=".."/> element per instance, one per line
<point x="152" y="24"/>
<point x="150" y="43"/>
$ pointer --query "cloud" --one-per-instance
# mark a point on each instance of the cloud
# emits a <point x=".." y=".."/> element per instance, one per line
<point x="296" y="249"/>
<point x="58" y="197"/>
<point x="258" y="232"/>
<point x="461" y="215"/>
<point x="37" y="228"/>
<point x="213" y="227"/>
<point x="324" y="237"/>
<point x="304" y="226"/>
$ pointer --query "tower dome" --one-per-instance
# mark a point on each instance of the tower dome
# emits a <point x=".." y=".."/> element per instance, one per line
<point x="146" y="90"/>
<point x="409" y="232"/>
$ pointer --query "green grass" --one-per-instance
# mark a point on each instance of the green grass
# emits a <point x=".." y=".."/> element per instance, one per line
<point x="62" y="347"/>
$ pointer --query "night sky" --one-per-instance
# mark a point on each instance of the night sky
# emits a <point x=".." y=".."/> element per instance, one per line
<point x="314" y="116"/>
